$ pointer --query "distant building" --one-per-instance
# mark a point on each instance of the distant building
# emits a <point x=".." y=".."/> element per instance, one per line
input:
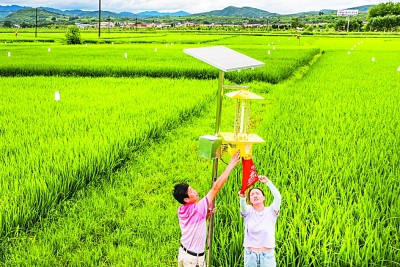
<point x="83" y="25"/>
<point x="107" y="24"/>
<point x="252" y="25"/>
<point x="189" y="24"/>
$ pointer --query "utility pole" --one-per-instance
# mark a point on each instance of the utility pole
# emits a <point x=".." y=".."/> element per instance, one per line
<point x="36" y="22"/>
<point x="215" y="165"/>
<point x="99" y="16"/>
<point x="347" y="13"/>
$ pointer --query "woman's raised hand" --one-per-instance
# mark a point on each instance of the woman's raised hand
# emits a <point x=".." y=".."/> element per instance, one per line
<point x="263" y="179"/>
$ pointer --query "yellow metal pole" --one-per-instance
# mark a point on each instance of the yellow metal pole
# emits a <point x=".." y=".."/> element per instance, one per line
<point x="215" y="165"/>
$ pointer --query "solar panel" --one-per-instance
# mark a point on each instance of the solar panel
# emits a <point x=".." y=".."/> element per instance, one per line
<point x="223" y="58"/>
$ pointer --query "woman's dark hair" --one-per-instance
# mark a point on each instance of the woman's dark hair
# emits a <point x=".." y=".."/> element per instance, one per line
<point x="180" y="192"/>
<point x="248" y="194"/>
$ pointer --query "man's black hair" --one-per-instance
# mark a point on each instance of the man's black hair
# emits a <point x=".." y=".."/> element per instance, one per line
<point x="180" y="192"/>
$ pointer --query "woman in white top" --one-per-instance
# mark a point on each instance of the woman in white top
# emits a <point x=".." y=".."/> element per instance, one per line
<point x="259" y="225"/>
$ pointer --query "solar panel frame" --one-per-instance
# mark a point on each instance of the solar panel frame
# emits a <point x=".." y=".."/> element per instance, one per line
<point x="224" y="58"/>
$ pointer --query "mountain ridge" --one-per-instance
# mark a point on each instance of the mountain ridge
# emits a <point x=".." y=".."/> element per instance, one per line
<point x="232" y="11"/>
<point x="228" y="11"/>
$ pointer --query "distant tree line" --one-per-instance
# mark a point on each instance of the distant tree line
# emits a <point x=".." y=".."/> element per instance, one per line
<point x="384" y="17"/>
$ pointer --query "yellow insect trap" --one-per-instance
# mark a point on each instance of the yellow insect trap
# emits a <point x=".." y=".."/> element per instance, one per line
<point x="241" y="138"/>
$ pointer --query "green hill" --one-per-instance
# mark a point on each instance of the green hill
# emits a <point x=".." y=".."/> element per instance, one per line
<point x="232" y="11"/>
<point x="27" y="17"/>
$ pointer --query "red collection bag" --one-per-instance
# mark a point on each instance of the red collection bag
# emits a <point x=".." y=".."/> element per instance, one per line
<point x="250" y="175"/>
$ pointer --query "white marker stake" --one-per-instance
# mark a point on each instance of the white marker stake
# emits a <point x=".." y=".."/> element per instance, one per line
<point x="155" y="50"/>
<point x="126" y="55"/>
<point x="57" y="96"/>
<point x="269" y="52"/>
<point x="348" y="53"/>
<point x="373" y="59"/>
<point x="398" y="69"/>
<point x="9" y="54"/>
<point x="49" y="49"/>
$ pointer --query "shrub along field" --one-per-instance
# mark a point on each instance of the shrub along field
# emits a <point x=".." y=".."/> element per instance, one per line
<point x="87" y="181"/>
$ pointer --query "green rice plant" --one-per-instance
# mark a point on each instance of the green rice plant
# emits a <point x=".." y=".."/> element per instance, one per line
<point x="51" y="149"/>
<point x="332" y="149"/>
<point x="344" y="162"/>
<point x="132" y="220"/>
<point x="107" y="37"/>
<point x="152" y="60"/>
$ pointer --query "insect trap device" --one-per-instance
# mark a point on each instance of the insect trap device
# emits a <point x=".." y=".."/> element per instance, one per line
<point x="226" y="60"/>
<point x="241" y="138"/>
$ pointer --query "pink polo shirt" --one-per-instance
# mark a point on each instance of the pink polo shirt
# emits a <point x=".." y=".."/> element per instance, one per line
<point x="192" y="220"/>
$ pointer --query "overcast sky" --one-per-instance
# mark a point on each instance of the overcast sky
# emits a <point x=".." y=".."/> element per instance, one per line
<point x="192" y="6"/>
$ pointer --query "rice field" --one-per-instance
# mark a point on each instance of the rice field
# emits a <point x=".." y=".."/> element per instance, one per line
<point x="137" y="60"/>
<point x="87" y="180"/>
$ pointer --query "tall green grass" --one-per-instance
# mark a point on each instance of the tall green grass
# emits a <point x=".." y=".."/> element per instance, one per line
<point x="136" y="60"/>
<point x="131" y="219"/>
<point x="124" y="36"/>
<point x="52" y="149"/>
<point x="332" y="149"/>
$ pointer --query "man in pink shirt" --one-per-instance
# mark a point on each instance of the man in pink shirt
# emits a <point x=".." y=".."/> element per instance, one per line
<point x="192" y="217"/>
